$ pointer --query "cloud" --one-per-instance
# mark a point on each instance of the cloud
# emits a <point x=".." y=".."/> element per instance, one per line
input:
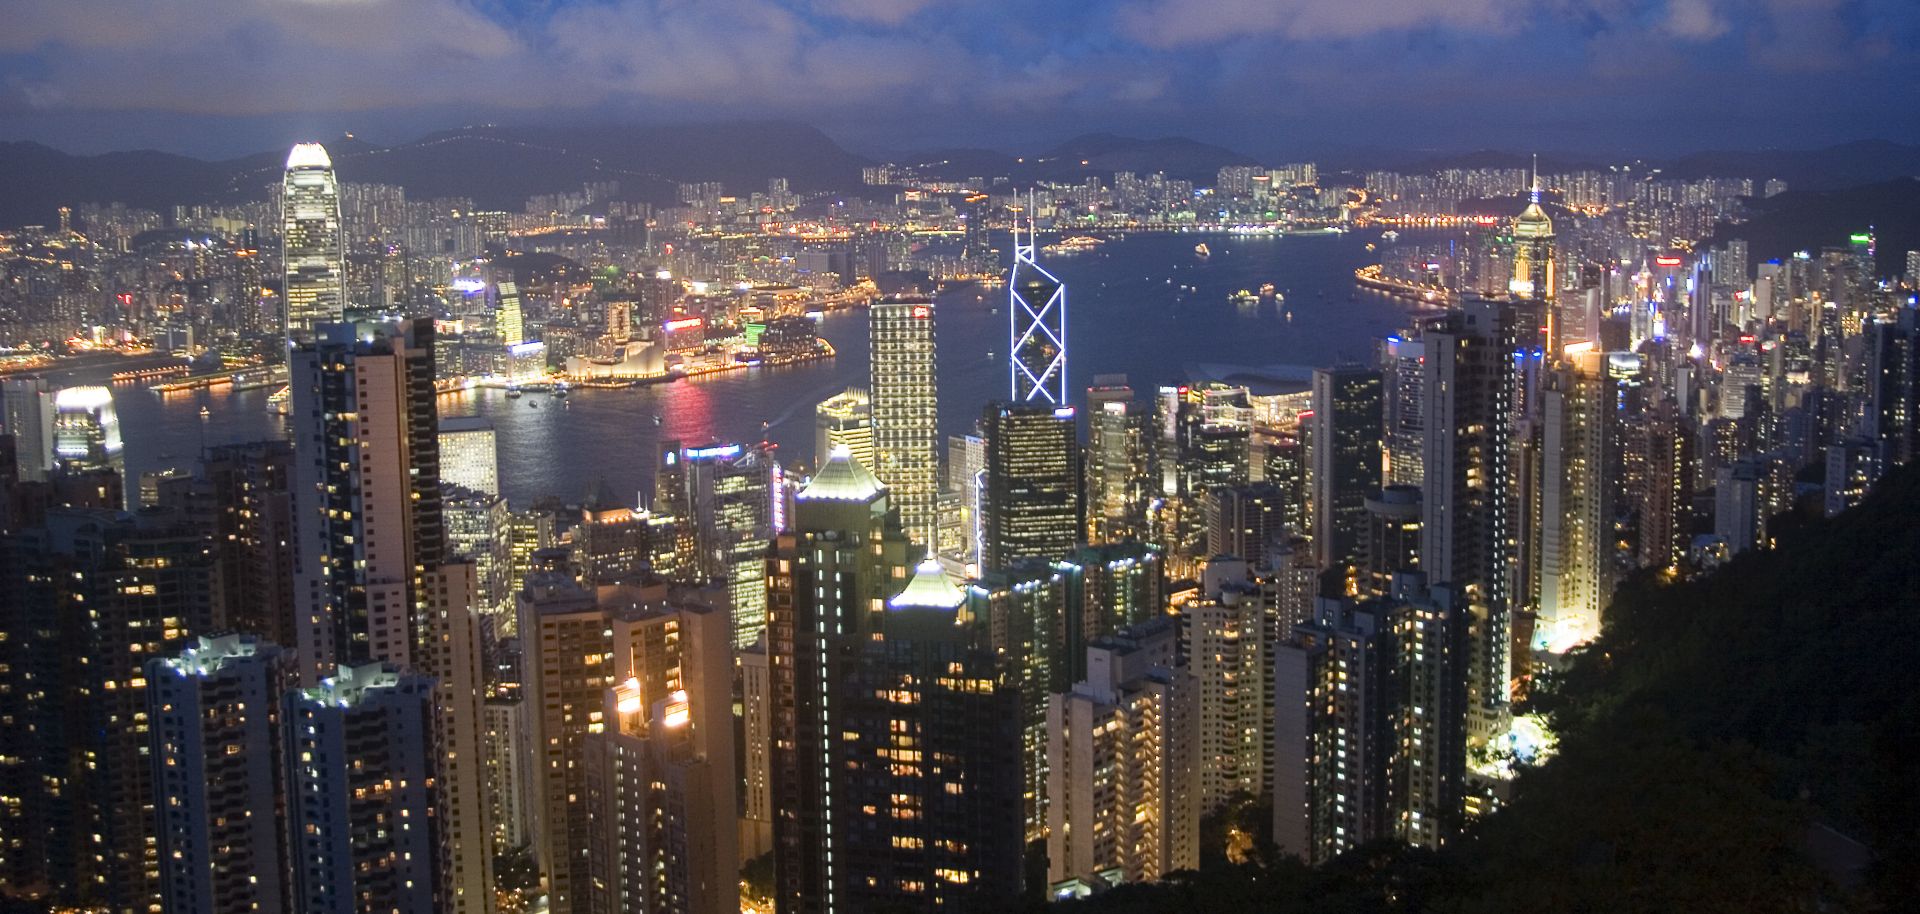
<point x="1694" y="19"/>
<point x="1183" y="23"/>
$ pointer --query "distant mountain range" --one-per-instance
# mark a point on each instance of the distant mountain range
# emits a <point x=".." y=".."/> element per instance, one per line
<point x="1808" y="220"/>
<point x="499" y="167"/>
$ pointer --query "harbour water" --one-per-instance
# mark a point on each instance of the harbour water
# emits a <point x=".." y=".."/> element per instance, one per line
<point x="1144" y="306"/>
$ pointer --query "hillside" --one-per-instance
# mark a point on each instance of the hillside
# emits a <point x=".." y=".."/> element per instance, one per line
<point x="1804" y="220"/>
<point x="1742" y="742"/>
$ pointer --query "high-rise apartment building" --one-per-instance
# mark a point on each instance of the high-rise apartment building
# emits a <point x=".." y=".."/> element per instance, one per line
<point x="360" y="806"/>
<point x="1471" y="510"/>
<point x="1345" y="455"/>
<point x="660" y="775"/>
<point x="568" y="669"/>
<point x="1224" y="638"/>
<point x="1403" y="410"/>
<point x="904" y="394"/>
<point x="313" y="242"/>
<point x="214" y="709"/>
<point x="1573" y="552"/>
<point x="1122" y="772"/>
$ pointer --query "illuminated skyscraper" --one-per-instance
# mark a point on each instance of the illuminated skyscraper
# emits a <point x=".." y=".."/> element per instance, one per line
<point x="1534" y="274"/>
<point x="844" y="420"/>
<point x="1573" y="552"/>
<point x="1116" y="463"/>
<point x="1031" y="505"/>
<point x="313" y="242"/>
<point x="507" y="322"/>
<point x="28" y="417"/>
<point x="469" y="457"/>
<point x="906" y="410"/>
<point x="86" y="431"/>
<point x="1037" y="329"/>
<point x="726" y="501"/>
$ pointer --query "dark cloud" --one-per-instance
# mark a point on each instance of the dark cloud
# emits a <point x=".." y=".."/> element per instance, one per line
<point x="951" y="70"/>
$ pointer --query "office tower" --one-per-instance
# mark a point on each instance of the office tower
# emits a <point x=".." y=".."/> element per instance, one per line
<point x="86" y="431"/>
<point x="1032" y="622"/>
<point x="1534" y="274"/>
<point x="1345" y="457"/>
<point x="469" y="456"/>
<point x="828" y="580"/>
<point x="513" y="788"/>
<point x="1403" y="410"/>
<point x="1370" y="723"/>
<point x="28" y="416"/>
<point x="1471" y="511"/>
<point x="248" y="512"/>
<point x="313" y="243"/>
<point x="844" y="420"/>
<point x="1116" y="463"/>
<point x="360" y="803"/>
<point x="1031" y="505"/>
<point x="1224" y="635"/>
<point x="1393" y="538"/>
<point x="366" y="492"/>
<point x="929" y="752"/>
<point x="967" y="481"/>
<point x="1036" y="329"/>
<point x="613" y="542"/>
<point x="215" y="712"/>
<point x="478" y="530"/>
<point x="91" y="595"/>
<point x="756" y="705"/>
<point x="1112" y="586"/>
<point x="1243" y="520"/>
<point x="568" y="669"/>
<point x="1123" y="776"/>
<point x="725" y="497"/>
<point x="507" y="323"/>
<point x="1669" y="470"/>
<point x="906" y="415"/>
<point x="1286" y="467"/>
<point x="1574" y="549"/>
<point x="660" y="776"/>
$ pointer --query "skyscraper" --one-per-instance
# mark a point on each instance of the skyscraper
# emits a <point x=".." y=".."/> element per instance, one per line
<point x="906" y="410"/>
<point x="1575" y="565"/>
<point x="1471" y="512"/>
<point x="1123" y="776"/>
<point x="1345" y="455"/>
<point x="215" y="712"/>
<point x="28" y="417"/>
<point x="313" y="242"/>
<point x="844" y="420"/>
<point x="569" y="667"/>
<point x="1036" y="328"/>
<point x="469" y="455"/>
<point x="86" y="430"/>
<point x="725" y="499"/>
<point x="828" y="580"/>
<point x="661" y="774"/>
<point x="360" y="793"/>
<point x="1116" y="462"/>
<point x="1031" y="505"/>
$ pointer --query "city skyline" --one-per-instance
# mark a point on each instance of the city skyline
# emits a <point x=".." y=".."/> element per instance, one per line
<point x="694" y="519"/>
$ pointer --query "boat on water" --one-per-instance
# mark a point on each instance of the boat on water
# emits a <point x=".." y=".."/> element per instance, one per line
<point x="1389" y="236"/>
<point x="513" y="393"/>
<point x="1074" y="245"/>
<point x="1244" y="297"/>
<point x="1202" y="251"/>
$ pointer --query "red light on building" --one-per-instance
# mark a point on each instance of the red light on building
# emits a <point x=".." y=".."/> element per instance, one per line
<point x="1667" y="260"/>
<point x="922" y="311"/>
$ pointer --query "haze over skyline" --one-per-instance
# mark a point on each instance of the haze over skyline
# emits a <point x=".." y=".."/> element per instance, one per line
<point x="1267" y="77"/>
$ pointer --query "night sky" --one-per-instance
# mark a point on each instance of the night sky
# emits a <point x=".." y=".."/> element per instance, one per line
<point x="1272" y="78"/>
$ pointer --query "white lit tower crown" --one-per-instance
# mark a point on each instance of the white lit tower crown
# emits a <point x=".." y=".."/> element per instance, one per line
<point x="313" y="240"/>
<point x="1037" y="327"/>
